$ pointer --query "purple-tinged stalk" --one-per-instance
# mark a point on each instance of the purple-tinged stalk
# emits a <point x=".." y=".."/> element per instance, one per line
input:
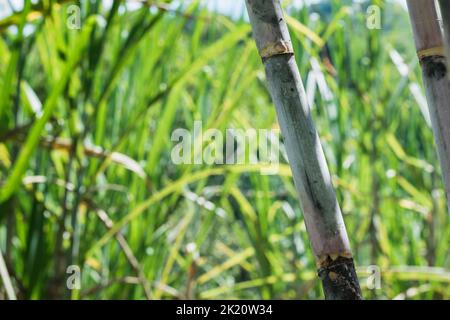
<point x="430" y="50"/>
<point x="445" y="12"/>
<point x="312" y="179"/>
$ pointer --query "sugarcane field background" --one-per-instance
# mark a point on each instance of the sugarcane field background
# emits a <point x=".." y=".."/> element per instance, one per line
<point x="141" y="156"/>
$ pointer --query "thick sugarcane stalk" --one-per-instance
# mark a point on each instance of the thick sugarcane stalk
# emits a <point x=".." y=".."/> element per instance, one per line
<point x="430" y="49"/>
<point x="445" y="11"/>
<point x="312" y="179"/>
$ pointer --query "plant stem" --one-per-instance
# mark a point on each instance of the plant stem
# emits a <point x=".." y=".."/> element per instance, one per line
<point x="445" y="11"/>
<point x="429" y="45"/>
<point x="312" y="179"/>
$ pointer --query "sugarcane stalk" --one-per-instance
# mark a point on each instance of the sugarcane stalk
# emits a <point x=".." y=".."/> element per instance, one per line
<point x="445" y="12"/>
<point x="322" y="214"/>
<point x="430" y="50"/>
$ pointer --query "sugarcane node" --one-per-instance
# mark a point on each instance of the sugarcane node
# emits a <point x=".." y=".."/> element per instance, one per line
<point x="339" y="279"/>
<point x="431" y="52"/>
<point x="276" y="48"/>
<point x="324" y="261"/>
<point x="435" y="67"/>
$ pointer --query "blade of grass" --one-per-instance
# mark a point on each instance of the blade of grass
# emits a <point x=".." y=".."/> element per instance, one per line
<point x="6" y="279"/>
<point x="32" y="140"/>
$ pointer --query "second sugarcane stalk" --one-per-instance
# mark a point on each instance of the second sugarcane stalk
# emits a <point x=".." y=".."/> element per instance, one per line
<point x="445" y="11"/>
<point x="312" y="179"/>
<point x="430" y="50"/>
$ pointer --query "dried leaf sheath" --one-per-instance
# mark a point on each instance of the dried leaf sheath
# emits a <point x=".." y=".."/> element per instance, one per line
<point x="312" y="179"/>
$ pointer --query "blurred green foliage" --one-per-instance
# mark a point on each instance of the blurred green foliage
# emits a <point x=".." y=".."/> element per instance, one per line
<point x="87" y="179"/>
